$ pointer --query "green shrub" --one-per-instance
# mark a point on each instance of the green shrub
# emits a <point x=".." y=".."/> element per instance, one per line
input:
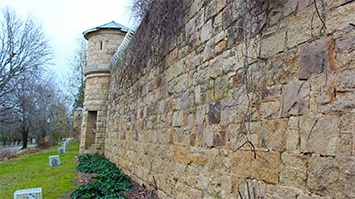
<point x="109" y="181"/>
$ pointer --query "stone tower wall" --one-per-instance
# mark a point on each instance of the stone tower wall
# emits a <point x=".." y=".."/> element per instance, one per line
<point x="102" y="44"/>
<point x="270" y="116"/>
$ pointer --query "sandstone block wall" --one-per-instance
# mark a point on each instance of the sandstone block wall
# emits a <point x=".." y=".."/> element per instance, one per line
<point x="96" y="92"/>
<point x="103" y="45"/>
<point x="267" y="116"/>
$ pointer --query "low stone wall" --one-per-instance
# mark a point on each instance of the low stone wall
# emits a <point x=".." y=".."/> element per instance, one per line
<point x="268" y="116"/>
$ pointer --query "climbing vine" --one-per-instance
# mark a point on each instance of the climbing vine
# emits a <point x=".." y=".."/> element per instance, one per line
<point x="159" y="23"/>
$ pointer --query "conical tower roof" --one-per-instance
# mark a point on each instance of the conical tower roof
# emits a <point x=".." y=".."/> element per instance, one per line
<point x="110" y="25"/>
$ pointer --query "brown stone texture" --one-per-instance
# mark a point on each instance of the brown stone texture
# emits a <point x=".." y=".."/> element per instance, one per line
<point x="295" y="98"/>
<point x="257" y="165"/>
<point x="316" y="57"/>
<point x="319" y="134"/>
<point x="256" y="104"/>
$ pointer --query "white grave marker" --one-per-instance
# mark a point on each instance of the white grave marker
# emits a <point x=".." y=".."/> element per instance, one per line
<point x="54" y="160"/>
<point x="61" y="150"/>
<point x="35" y="193"/>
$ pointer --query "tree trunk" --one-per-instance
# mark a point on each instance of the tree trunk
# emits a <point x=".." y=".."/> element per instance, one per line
<point x="24" y="138"/>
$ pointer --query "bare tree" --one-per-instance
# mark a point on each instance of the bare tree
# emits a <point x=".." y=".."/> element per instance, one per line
<point x="26" y="103"/>
<point x="23" y="47"/>
<point x="76" y="78"/>
<point x="24" y="53"/>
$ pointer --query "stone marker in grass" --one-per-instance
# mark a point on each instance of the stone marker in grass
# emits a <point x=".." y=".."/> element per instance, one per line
<point x="54" y="160"/>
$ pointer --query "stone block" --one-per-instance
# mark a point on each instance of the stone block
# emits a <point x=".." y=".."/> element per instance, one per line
<point x="200" y="114"/>
<point x="197" y="160"/>
<point x="220" y="47"/>
<point x="265" y="167"/>
<point x="345" y="51"/>
<point x="345" y="145"/>
<point x="292" y="134"/>
<point x="192" y="61"/>
<point x="190" y="27"/>
<point x="332" y="177"/>
<point x="214" y="113"/>
<point x="208" y="134"/>
<point x="200" y="18"/>
<point x="252" y="189"/>
<point x="301" y="27"/>
<point x="293" y="171"/>
<point x="218" y="23"/>
<point x="295" y="96"/>
<point x="345" y="44"/>
<point x="206" y="31"/>
<point x="208" y="52"/>
<point x="270" y="109"/>
<point x="273" y="44"/>
<point x="316" y="57"/>
<point x="340" y="17"/>
<point x="219" y="138"/>
<point x="280" y="192"/>
<point x="181" y="154"/>
<point x="319" y="134"/>
<point x="221" y="87"/>
<point x="270" y="134"/>
<point x="214" y="160"/>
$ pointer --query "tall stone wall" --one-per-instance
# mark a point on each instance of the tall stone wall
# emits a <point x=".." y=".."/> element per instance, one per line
<point x="271" y="115"/>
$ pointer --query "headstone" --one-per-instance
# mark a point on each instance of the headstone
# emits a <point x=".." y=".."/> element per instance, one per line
<point x="61" y="150"/>
<point x="35" y="193"/>
<point x="54" y="160"/>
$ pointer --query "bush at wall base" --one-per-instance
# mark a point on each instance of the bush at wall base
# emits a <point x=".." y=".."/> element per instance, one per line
<point x="109" y="181"/>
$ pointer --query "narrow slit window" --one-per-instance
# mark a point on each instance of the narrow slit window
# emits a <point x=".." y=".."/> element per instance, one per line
<point x="101" y="45"/>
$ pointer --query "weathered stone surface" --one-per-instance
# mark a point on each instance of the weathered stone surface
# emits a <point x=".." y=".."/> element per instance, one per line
<point x="220" y="46"/>
<point x="167" y="125"/>
<point x="280" y="192"/>
<point x="266" y="166"/>
<point x="319" y="134"/>
<point x="181" y="154"/>
<point x="208" y="52"/>
<point x="270" y="109"/>
<point x="200" y="114"/>
<point x="219" y="138"/>
<point x="300" y="28"/>
<point x="273" y="44"/>
<point x="208" y="133"/>
<point x="343" y="11"/>
<point x="214" y="113"/>
<point x="295" y="98"/>
<point x="252" y="189"/>
<point x="206" y="31"/>
<point x="270" y="134"/>
<point x="221" y="87"/>
<point x="345" y="44"/>
<point x="332" y="177"/>
<point x="316" y="57"/>
<point x="293" y="170"/>
<point x="292" y="134"/>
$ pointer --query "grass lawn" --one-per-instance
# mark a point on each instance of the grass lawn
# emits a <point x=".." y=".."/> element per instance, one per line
<point x="33" y="170"/>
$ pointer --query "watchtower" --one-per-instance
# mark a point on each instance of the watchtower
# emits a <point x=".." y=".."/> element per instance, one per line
<point x="103" y="42"/>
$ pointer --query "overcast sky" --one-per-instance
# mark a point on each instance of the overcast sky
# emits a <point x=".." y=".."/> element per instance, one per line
<point x="65" y="20"/>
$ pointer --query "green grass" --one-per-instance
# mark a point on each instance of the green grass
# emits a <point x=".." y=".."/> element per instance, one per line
<point x="32" y="171"/>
